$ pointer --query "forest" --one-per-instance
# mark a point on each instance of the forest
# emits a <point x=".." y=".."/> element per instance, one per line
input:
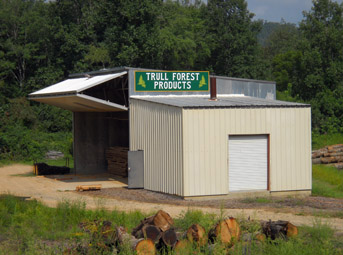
<point x="42" y="42"/>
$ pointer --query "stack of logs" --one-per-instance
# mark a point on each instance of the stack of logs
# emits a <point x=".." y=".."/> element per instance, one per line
<point x="329" y="155"/>
<point x="156" y="233"/>
<point x="117" y="160"/>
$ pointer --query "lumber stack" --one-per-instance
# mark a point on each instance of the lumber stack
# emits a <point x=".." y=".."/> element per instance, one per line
<point x="117" y="160"/>
<point x="332" y="154"/>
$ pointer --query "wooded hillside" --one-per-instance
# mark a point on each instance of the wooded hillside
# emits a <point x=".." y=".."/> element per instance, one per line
<point x="42" y="42"/>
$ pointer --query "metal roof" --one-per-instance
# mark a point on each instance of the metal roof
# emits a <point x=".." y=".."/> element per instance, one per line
<point x="221" y="102"/>
<point x="68" y="95"/>
<point x="81" y="103"/>
<point x="73" y="86"/>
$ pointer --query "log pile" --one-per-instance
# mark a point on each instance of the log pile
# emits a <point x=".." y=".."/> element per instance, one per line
<point x="332" y="154"/>
<point x="156" y="235"/>
<point x="117" y="160"/>
<point x="45" y="169"/>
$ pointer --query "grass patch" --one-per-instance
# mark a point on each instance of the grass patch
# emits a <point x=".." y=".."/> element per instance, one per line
<point x="327" y="181"/>
<point x="259" y="200"/>
<point x="320" y="141"/>
<point x="324" y="189"/>
<point x="28" y="227"/>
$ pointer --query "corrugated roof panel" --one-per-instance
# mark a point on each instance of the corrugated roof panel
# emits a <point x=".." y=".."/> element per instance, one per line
<point x="221" y="102"/>
<point x="75" y="85"/>
<point x="81" y="103"/>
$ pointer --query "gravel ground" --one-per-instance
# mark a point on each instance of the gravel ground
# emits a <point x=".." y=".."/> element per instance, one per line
<point x="295" y="205"/>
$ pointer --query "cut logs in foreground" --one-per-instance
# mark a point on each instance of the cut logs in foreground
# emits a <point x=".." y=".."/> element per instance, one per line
<point x="156" y="233"/>
<point x="277" y="229"/>
<point x="158" y="229"/>
<point x="161" y="220"/>
<point x="140" y="246"/>
<point x="149" y="231"/>
<point x="227" y="231"/>
<point x="168" y="238"/>
<point x="197" y="234"/>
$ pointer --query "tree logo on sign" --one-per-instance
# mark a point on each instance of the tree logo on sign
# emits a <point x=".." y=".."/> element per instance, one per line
<point x="202" y="82"/>
<point x="141" y="82"/>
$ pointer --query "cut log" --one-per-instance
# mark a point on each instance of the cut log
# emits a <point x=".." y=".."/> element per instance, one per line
<point x="168" y="238"/>
<point x="197" y="234"/>
<point x="233" y="227"/>
<point x="88" y="187"/>
<point x="226" y="231"/>
<point x="182" y="247"/>
<point x="149" y="231"/>
<point x="140" y="246"/>
<point x="279" y="229"/>
<point x="163" y="220"/>
<point x="122" y="235"/>
<point x="146" y="221"/>
<point x="143" y="247"/>
<point x="291" y="230"/>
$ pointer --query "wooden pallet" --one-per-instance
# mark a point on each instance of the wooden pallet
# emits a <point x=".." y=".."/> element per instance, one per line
<point x="88" y="187"/>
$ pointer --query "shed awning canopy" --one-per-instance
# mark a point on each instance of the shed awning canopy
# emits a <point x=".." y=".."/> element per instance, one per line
<point x="69" y="95"/>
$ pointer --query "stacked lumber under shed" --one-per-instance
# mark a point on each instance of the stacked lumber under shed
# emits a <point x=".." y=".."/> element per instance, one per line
<point x="117" y="160"/>
<point x="332" y="154"/>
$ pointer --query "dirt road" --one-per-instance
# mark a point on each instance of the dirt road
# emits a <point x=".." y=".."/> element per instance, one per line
<point x="16" y="180"/>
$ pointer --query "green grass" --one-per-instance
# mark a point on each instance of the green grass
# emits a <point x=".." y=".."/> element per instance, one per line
<point x="260" y="200"/>
<point x="28" y="227"/>
<point x="320" y="141"/>
<point x="327" y="181"/>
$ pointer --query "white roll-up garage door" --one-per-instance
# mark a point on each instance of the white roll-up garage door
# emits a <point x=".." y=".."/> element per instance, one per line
<point x="248" y="162"/>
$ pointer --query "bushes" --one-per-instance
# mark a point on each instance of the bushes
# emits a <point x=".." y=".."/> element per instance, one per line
<point x="28" y="132"/>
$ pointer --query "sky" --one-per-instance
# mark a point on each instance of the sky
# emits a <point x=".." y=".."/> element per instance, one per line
<point x="275" y="10"/>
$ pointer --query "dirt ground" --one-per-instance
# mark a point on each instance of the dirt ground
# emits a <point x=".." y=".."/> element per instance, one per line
<point x="17" y="180"/>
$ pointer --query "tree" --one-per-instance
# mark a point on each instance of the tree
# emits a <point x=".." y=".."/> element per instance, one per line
<point x="322" y="49"/>
<point x="183" y="36"/>
<point x="234" y="49"/>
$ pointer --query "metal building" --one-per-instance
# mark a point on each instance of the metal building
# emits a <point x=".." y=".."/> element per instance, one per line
<point x="180" y="140"/>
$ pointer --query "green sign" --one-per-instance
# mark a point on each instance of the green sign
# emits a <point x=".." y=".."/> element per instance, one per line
<point x="160" y="81"/>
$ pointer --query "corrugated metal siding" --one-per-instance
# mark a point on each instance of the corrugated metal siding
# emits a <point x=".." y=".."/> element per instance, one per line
<point x="205" y="146"/>
<point x="157" y="129"/>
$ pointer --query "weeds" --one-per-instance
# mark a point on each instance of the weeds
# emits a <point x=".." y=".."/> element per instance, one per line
<point x="28" y="227"/>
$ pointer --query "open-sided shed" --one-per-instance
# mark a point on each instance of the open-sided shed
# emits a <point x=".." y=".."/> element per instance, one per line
<point x="179" y="140"/>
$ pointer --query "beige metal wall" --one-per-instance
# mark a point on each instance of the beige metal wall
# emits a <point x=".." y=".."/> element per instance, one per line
<point x="205" y="139"/>
<point x="157" y="129"/>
